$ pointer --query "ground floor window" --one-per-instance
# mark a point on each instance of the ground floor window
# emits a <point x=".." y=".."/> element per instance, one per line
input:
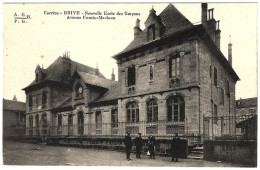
<point x="114" y="118"/>
<point x="132" y="112"/>
<point x="176" y="109"/>
<point x="80" y="122"/>
<point x="152" y="110"/>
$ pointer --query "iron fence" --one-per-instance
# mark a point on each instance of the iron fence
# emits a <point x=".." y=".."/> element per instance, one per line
<point x="229" y="127"/>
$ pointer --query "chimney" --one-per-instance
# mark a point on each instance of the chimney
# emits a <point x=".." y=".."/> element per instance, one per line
<point x="113" y="75"/>
<point x="97" y="70"/>
<point x="137" y="30"/>
<point x="204" y="10"/>
<point x="230" y="51"/>
<point x="217" y="35"/>
<point x="14" y="99"/>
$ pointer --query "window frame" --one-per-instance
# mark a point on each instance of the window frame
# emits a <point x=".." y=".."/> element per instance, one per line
<point x="173" y="106"/>
<point x="176" y="70"/>
<point x="132" y="108"/>
<point x="152" y="110"/>
<point x="98" y="120"/>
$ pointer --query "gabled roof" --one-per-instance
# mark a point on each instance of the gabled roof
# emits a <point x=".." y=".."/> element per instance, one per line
<point x="95" y="80"/>
<point x="173" y="20"/>
<point x="54" y="71"/>
<point x="249" y="102"/>
<point x="13" y="105"/>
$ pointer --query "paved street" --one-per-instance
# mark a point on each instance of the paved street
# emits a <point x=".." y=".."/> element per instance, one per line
<point x="35" y="154"/>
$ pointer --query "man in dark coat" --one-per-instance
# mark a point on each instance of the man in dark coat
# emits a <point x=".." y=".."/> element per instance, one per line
<point x="151" y="146"/>
<point x="128" y="145"/>
<point x="138" y="145"/>
<point x="175" y="147"/>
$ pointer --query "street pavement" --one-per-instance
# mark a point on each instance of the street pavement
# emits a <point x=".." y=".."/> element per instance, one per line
<point x="15" y="153"/>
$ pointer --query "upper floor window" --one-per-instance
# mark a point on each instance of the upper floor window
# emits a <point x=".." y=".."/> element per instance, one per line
<point x="227" y="87"/>
<point x="79" y="91"/>
<point x="215" y="76"/>
<point x="152" y="110"/>
<point x="151" y="72"/>
<point x="176" y="109"/>
<point x="151" y="33"/>
<point x="174" y="66"/>
<point x="131" y="76"/>
<point x="132" y="112"/>
<point x="114" y="117"/>
<point x="44" y="99"/>
<point x="30" y="101"/>
<point x="221" y="96"/>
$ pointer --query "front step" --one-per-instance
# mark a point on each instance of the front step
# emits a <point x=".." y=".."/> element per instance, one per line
<point x="196" y="153"/>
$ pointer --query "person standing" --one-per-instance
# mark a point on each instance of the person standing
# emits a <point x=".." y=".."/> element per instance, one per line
<point x="138" y="145"/>
<point x="175" y="147"/>
<point x="151" y="146"/>
<point x="128" y="145"/>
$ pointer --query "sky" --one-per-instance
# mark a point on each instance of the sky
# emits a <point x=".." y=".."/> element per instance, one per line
<point x="93" y="42"/>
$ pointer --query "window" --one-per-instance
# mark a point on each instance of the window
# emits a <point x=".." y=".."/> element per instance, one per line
<point x="152" y="110"/>
<point x="30" y="101"/>
<point x="80" y="122"/>
<point x="44" y="123"/>
<point x="222" y="96"/>
<point x="114" y="117"/>
<point x="131" y="76"/>
<point x="98" y="120"/>
<point x="176" y="109"/>
<point x="31" y="125"/>
<point x="37" y="100"/>
<point x="70" y="123"/>
<point x="132" y="112"/>
<point x="79" y="91"/>
<point x="59" y="123"/>
<point x="227" y="87"/>
<point x="151" y="72"/>
<point x="215" y="114"/>
<point x="44" y="99"/>
<point x="151" y="33"/>
<point x="37" y="121"/>
<point x="174" y="66"/>
<point x="31" y="121"/>
<point x="215" y="77"/>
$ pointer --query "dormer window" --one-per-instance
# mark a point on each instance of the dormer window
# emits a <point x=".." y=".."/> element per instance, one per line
<point x="151" y="32"/>
<point x="79" y="91"/>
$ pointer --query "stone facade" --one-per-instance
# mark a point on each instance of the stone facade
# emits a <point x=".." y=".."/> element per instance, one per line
<point x="169" y="78"/>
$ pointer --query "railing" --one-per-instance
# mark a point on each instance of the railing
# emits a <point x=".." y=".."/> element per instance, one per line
<point x="160" y="129"/>
<point x="242" y="127"/>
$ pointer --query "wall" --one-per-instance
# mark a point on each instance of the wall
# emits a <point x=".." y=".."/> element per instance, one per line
<point x="243" y="152"/>
<point x="211" y="93"/>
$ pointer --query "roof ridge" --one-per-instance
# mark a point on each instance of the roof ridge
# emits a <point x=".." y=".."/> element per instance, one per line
<point x="13" y="100"/>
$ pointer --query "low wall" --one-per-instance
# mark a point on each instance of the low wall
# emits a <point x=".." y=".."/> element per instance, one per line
<point x="244" y="152"/>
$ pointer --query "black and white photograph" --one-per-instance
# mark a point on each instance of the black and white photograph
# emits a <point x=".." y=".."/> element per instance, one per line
<point x="129" y="84"/>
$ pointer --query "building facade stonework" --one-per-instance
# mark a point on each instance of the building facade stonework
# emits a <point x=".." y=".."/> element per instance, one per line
<point x="170" y="77"/>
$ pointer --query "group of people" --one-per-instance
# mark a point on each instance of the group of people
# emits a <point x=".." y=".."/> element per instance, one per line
<point x="175" y="146"/>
